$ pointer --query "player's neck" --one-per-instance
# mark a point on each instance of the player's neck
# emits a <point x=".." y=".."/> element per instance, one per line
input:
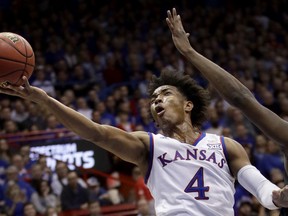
<point x="185" y="133"/>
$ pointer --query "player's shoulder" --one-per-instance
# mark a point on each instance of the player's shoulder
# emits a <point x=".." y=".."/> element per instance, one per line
<point x="142" y="135"/>
<point x="139" y="133"/>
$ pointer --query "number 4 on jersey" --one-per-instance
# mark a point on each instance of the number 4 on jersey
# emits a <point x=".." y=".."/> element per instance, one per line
<point x="196" y="185"/>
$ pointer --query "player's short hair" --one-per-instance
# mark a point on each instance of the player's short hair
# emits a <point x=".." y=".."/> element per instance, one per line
<point x="188" y="88"/>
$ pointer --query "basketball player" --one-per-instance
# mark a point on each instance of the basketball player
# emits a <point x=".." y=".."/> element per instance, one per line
<point x="232" y="90"/>
<point x="187" y="172"/>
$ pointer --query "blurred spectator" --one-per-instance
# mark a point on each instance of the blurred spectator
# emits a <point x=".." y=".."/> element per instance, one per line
<point x="37" y="175"/>
<point x="269" y="102"/>
<point x="4" y="157"/>
<point x="52" y="123"/>
<point x="29" y="209"/>
<point x="226" y="132"/>
<point x="113" y="185"/>
<point x="110" y="105"/>
<point x="70" y="56"/>
<point x="25" y="153"/>
<point x="145" y="120"/>
<point x="18" y="161"/>
<point x="19" y="113"/>
<point x="272" y="159"/>
<point x="83" y="108"/>
<point x="213" y="125"/>
<point x="86" y="62"/>
<point x="42" y="81"/>
<point x="143" y="84"/>
<point x="10" y="127"/>
<point x="5" y="115"/>
<point x="68" y="98"/>
<point x="245" y="209"/>
<point x="143" y="208"/>
<point x="46" y="171"/>
<point x="243" y="136"/>
<point x="221" y="106"/>
<point x="15" y="199"/>
<point x="277" y="177"/>
<point x="98" y="67"/>
<point x="12" y="178"/>
<point x="81" y="80"/>
<point x="35" y="119"/>
<point x="92" y="98"/>
<point x="142" y="192"/>
<point x="235" y="118"/>
<point x="106" y="117"/>
<point x="74" y="196"/>
<point x="96" y="116"/>
<point x="124" y="123"/>
<point x="45" y="199"/>
<point x="94" y="208"/>
<point x="4" y="151"/>
<point x="51" y="212"/>
<point x="97" y="192"/>
<point x="59" y="178"/>
<point x="112" y="71"/>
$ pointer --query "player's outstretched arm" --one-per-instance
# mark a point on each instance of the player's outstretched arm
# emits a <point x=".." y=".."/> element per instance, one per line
<point x="267" y="193"/>
<point x="129" y="147"/>
<point x="232" y="90"/>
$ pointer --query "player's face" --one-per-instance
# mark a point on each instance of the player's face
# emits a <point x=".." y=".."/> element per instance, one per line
<point x="168" y="106"/>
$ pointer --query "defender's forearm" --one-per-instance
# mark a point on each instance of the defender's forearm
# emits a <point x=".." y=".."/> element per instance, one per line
<point x="233" y="91"/>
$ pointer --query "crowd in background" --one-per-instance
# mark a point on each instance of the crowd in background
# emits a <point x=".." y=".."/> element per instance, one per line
<point x="97" y="57"/>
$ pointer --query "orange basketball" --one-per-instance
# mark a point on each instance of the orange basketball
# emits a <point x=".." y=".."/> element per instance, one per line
<point x="17" y="58"/>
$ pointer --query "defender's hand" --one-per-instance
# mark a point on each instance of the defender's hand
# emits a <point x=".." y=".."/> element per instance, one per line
<point x="179" y="36"/>
<point x="280" y="197"/>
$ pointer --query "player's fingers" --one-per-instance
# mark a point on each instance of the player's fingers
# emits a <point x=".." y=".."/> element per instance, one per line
<point x="179" y="19"/>
<point x="275" y="195"/>
<point x="170" y="25"/>
<point x="187" y="34"/>
<point x="26" y="82"/>
<point x="169" y="15"/>
<point x="7" y="91"/>
<point x="174" y="12"/>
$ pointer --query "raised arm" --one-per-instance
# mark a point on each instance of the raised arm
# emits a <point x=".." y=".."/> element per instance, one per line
<point x="129" y="147"/>
<point x="231" y="89"/>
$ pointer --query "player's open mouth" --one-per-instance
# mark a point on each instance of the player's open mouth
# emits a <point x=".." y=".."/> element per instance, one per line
<point x="159" y="110"/>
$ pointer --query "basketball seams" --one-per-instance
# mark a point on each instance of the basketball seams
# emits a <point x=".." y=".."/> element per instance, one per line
<point x="19" y="51"/>
<point x="25" y="45"/>
<point x="25" y="59"/>
<point x="11" y="72"/>
<point x="13" y="60"/>
<point x="12" y="45"/>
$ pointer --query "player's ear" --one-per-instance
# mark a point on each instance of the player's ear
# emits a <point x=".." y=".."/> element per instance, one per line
<point x="189" y="106"/>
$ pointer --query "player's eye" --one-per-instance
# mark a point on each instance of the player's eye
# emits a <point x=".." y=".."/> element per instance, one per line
<point x="167" y="93"/>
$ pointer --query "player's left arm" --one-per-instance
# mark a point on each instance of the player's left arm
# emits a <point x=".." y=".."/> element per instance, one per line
<point x="267" y="193"/>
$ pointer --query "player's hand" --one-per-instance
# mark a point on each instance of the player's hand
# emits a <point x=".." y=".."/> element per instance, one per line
<point x="25" y="91"/>
<point x="179" y="36"/>
<point x="280" y="197"/>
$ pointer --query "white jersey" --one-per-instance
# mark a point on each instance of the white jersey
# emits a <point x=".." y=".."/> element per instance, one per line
<point x="190" y="179"/>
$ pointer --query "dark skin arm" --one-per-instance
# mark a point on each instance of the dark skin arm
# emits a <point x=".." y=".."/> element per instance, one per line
<point x="131" y="147"/>
<point x="231" y="89"/>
